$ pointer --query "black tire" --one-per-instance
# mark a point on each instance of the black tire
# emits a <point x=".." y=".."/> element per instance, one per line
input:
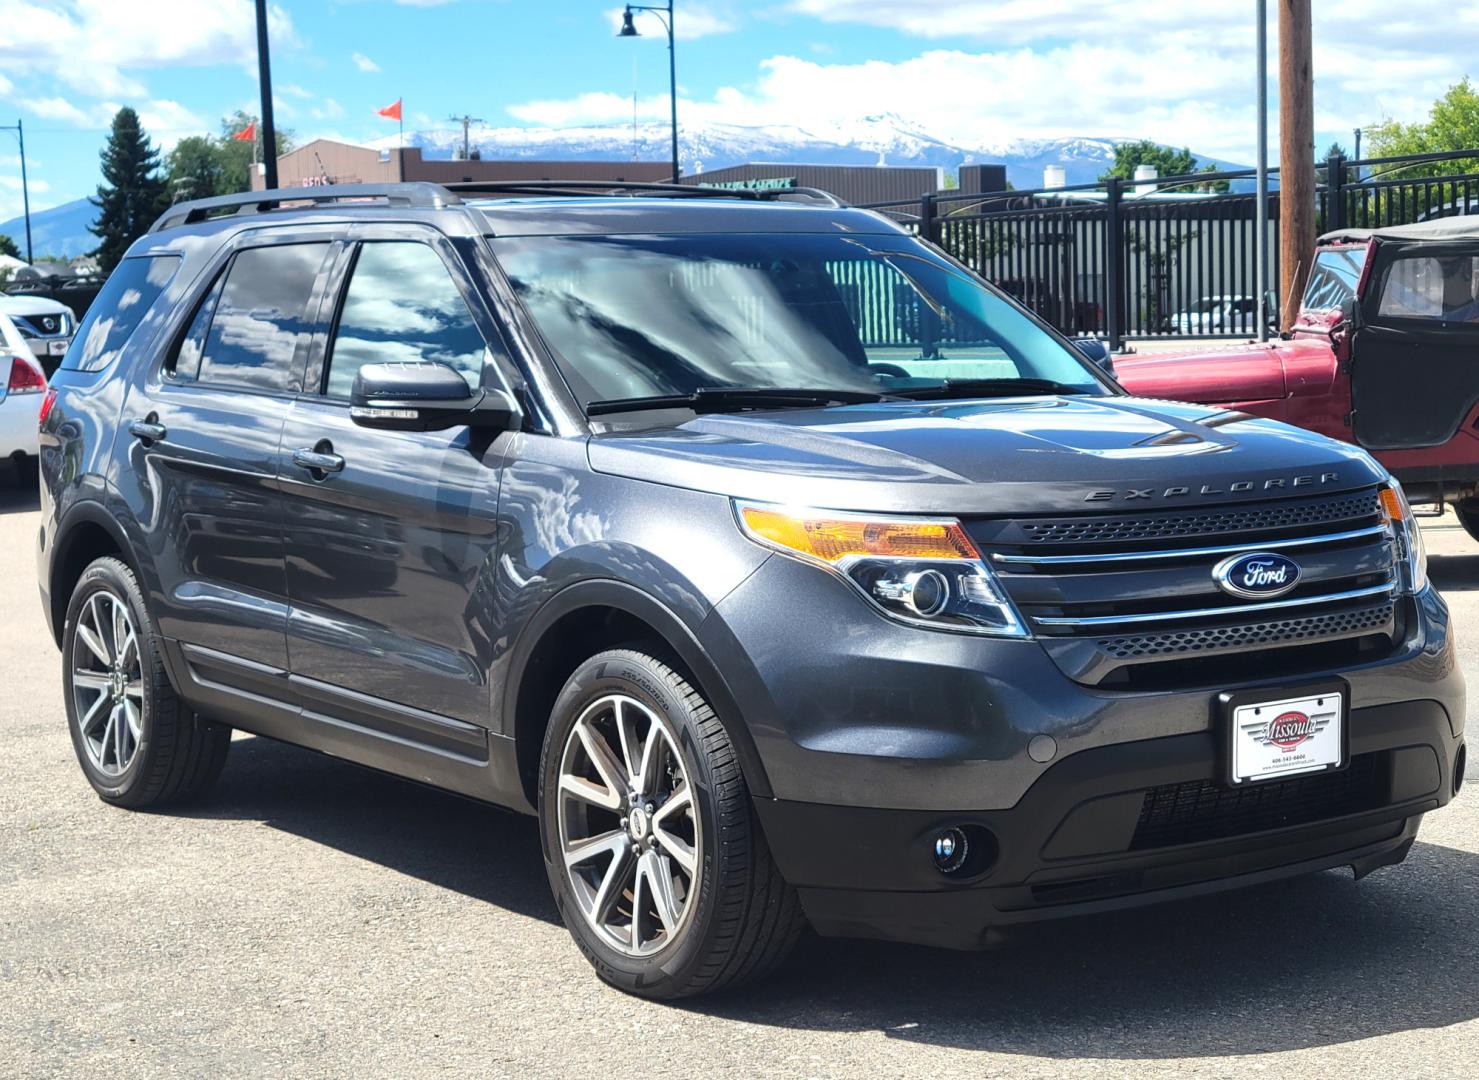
<point x="178" y="754"/>
<point x="747" y="918"/>
<point x="1467" y="512"/>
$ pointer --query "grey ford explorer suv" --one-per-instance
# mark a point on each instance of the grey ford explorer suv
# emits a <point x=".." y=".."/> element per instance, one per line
<point x="788" y="572"/>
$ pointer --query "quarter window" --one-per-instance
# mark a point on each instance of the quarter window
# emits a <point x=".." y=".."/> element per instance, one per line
<point x="246" y="331"/>
<point x="402" y="306"/>
<point x="118" y="310"/>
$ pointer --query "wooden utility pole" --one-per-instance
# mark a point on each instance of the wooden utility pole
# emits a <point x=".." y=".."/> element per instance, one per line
<point x="1296" y="155"/>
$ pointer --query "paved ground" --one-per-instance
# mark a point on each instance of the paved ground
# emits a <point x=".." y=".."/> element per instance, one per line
<point x="319" y="920"/>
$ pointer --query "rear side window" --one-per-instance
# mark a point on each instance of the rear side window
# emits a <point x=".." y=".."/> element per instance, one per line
<point x="1438" y="287"/>
<point x="402" y="305"/>
<point x="247" y="330"/>
<point x="118" y="309"/>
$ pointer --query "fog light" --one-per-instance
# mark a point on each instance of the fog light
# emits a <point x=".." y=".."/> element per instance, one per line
<point x="951" y="850"/>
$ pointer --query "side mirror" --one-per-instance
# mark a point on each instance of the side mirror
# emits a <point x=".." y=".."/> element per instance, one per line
<point x="425" y="397"/>
<point x="1097" y="353"/>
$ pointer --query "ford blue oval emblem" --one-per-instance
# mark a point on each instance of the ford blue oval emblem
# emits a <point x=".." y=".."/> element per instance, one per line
<point x="1260" y="575"/>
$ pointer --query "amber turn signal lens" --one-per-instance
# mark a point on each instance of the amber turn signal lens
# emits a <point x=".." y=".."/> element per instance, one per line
<point x="1391" y="504"/>
<point x="831" y="539"/>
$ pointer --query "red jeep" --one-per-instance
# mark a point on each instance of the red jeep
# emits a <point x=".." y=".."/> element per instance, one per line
<point x="1384" y="354"/>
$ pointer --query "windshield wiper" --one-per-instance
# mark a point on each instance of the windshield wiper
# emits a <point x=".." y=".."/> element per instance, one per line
<point x="714" y="399"/>
<point x="969" y="388"/>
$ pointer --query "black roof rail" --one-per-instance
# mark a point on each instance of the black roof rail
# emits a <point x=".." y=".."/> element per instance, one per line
<point x="423" y="195"/>
<point x="638" y="188"/>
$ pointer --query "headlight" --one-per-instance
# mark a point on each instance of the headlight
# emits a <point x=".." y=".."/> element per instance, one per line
<point x="1407" y="537"/>
<point x="922" y="571"/>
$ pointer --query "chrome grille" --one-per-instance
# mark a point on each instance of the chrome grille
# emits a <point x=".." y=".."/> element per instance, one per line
<point x="1100" y="606"/>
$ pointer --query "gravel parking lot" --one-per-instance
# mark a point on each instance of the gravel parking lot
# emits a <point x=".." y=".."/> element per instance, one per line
<point x="316" y="919"/>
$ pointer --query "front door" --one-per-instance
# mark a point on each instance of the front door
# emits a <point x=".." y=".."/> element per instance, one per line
<point x="1415" y="356"/>
<point x="390" y="548"/>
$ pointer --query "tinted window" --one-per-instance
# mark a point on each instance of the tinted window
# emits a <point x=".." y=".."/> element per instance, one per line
<point x="1440" y="287"/>
<point x="256" y="323"/>
<point x="402" y="305"/>
<point x="118" y="309"/>
<point x="1333" y="279"/>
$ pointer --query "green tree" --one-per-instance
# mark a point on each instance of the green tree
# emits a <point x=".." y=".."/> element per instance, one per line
<point x="132" y="193"/>
<point x="194" y="168"/>
<point x="1167" y="162"/>
<point x="7" y="247"/>
<point x="1452" y="124"/>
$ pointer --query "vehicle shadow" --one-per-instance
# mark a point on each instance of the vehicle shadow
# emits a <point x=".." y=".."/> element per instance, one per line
<point x="17" y="494"/>
<point x="1454" y="573"/>
<point x="472" y="848"/>
<point x="1313" y="962"/>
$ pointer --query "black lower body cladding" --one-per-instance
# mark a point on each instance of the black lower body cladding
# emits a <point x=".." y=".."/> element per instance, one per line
<point x="876" y="744"/>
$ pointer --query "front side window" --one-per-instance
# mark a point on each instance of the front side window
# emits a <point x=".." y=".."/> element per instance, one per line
<point x="1333" y="279"/>
<point x="246" y="332"/>
<point x="118" y="309"/>
<point x="647" y="316"/>
<point x="402" y="305"/>
<point x="1438" y="287"/>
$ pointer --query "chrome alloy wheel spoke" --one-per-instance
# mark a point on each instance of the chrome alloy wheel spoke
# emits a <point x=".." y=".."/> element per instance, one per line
<point x="628" y="825"/>
<point x="107" y="683"/>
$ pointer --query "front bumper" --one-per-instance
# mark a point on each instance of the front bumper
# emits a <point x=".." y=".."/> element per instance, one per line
<point x="876" y="736"/>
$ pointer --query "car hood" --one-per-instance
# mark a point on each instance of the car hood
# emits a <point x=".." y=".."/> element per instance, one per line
<point x="32" y="305"/>
<point x="1023" y="455"/>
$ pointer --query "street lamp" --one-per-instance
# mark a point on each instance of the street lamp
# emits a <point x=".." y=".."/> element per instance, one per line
<point x="629" y="30"/>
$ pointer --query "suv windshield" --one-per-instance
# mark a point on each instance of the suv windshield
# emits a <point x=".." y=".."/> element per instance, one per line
<point x="648" y="316"/>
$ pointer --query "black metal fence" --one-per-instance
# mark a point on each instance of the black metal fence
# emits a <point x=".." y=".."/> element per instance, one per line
<point x="1172" y="256"/>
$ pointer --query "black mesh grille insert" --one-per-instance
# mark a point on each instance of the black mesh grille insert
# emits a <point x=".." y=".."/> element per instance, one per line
<point x="1257" y="635"/>
<point x="1201" y="810"/>
<point x="1152" y="526"/>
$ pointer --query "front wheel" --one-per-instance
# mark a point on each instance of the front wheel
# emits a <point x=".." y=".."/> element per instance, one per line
<point x="660" y="870"/>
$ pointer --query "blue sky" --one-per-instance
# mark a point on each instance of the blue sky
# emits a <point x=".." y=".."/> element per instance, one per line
<point x="980" y="74"/>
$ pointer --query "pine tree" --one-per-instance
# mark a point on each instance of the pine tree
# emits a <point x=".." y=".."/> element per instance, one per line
<point x="132" y="193"/>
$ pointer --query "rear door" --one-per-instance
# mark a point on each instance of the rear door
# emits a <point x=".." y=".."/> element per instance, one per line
<point x="201" y="430"/>
<point x="390" y="553"/>
<point x="1415" y="355"/>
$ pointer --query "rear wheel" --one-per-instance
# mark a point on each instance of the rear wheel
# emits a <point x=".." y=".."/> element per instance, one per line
<point x="658" y="866"/>
<point x="137" y="743"/>
<point x="1468" y="516"/>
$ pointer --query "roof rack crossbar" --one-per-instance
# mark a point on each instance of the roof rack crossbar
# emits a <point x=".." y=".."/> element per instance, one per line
<point x="636" y="188"/>
<point x="423" y="195"/>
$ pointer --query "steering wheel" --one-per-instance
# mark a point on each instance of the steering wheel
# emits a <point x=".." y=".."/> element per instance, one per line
<point x="893" y="371"/>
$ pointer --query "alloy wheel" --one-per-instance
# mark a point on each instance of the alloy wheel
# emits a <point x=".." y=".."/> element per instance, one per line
<point x="629" y="826"/>
<point x="107" y="683"/>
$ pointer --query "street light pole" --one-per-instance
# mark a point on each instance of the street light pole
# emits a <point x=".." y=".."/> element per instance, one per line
<point x="629" y="29"/>
<point x="20" y="133"/>
<point x="264" y="79"/>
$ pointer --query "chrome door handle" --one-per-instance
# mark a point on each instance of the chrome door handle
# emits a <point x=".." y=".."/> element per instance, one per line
<point x="316" y="461"/>
<point x="150" y="431"/>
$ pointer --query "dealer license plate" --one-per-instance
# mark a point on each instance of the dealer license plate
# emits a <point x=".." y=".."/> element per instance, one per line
<point x="1287" y="736"/>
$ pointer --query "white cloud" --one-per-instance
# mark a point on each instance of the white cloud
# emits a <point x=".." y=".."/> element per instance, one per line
<point x="364" y="63"/>
<point x="693" y="21"/>
<point x="94" y="46"/>
<point x="328" y="109"/>
<point x="1057" y="68"/>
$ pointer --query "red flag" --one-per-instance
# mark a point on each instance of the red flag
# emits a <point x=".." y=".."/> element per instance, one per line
<point x="391" y="112"/>
<point x="246" y="134"/>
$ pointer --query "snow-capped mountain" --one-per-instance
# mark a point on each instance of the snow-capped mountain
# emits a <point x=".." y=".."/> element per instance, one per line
<point x="874" y="140"/>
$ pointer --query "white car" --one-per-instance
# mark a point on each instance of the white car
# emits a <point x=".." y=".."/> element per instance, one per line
<point x="1218" y="315"/>
<point x="22" y="384"/>
<point x="46" y="324"/>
